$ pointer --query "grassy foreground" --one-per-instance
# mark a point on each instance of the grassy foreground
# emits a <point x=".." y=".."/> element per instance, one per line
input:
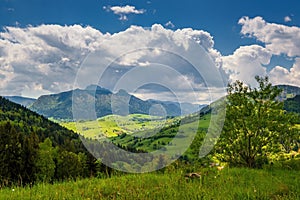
<point x="226" y="184"/>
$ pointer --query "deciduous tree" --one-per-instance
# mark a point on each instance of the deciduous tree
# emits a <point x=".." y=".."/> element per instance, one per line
<point x="255" y="126"/>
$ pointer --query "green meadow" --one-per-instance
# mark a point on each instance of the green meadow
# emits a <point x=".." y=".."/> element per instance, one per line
<point x="230" y="183"/>
<point x="114" y="125"/>
<point x="152" y="139"/>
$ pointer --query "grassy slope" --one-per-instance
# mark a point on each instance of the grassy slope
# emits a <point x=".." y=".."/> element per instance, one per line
<point x="162" y="137"/>
<point x="227" y="184"/>
<point x="112" y="125"/>
<point x="137" y="125"/>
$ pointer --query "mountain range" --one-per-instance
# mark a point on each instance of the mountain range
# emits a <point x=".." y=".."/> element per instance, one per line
<point x="59" y="106"/>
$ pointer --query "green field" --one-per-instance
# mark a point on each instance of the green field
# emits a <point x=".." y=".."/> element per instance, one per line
<point x="151" y="140"/>
<point x="114" y="125"/>
<point x="143" y="132"/>
<point x="226" y="184"/>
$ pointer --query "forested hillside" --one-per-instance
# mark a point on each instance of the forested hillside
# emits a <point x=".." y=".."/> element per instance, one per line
<point x="59" y="106"/>
<point x="292" y="104"/>
<point x="289" y="90"/>
<point x="32" y="148"/>
<point x="35" y="149"/>
<point x="24" y="101"/>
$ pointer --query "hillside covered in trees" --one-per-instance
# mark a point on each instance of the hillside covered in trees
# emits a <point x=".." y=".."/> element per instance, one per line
<point x="35" y="149"/>
<point x="32" y="148"/>
<point x="292" y="104"/>
<point x="61" y="105"/>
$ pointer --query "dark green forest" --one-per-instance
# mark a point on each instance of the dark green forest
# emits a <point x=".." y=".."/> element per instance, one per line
<point x="292" y="104"/>
<point x="32" y="148"/>
<point x="35" y="149"/>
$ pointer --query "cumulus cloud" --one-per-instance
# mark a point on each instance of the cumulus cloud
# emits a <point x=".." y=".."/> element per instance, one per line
<point x="281" y="75"/>
<point x="247" y="62"/>
<point x="123" y="11"/>
<point x="126" y="10"/>
<point x="40" y="54"/>
<point x="278" y="40"/>
<point x="46" y="58"/>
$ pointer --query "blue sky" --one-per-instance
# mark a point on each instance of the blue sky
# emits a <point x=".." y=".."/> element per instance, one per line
<point x="234" y="31"/>
<point x="215" y="16"/>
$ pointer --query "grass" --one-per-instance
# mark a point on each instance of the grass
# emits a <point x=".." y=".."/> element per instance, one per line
<point x="227" y="184"/>
<point x="114" y="125"/>
<point x="165" y="138"/>
<point x="148" y="143"/>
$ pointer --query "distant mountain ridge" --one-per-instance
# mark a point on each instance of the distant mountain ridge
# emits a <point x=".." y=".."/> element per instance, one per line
<point x="24" y="101"/>
<point x="59" y="106"/>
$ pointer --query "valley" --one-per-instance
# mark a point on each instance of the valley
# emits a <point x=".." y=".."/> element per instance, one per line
<point x="149" y="100"/>
<point x="56" y="144"/>
<point x="114" y="125"/>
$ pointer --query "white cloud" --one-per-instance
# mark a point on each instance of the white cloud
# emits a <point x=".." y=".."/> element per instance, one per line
<point x="39" y="55"/>
<point x="126" y="10"/>
<point x="246" y="62"/>
<point x="280" y="75"/>
<point x="123" y="11"/>
<point x="46" y="58"/>
<point x="287" y="19"/>
<point x="279" y="40"/>
<point x="169" y="24"/>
